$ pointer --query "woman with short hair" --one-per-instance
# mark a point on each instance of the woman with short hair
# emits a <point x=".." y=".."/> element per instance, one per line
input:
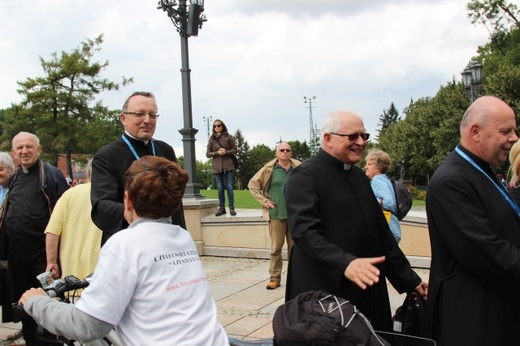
<point x="377" y="164"/>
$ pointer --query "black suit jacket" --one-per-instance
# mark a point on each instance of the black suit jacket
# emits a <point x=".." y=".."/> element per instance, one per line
<point x="475" y="270"/>
<point x="108" y="168"/>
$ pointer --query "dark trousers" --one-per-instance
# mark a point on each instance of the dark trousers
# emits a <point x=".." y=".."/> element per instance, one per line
<point x="26" y="260"/>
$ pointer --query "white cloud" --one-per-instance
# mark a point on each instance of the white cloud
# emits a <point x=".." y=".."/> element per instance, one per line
<point x="253" y="61"/>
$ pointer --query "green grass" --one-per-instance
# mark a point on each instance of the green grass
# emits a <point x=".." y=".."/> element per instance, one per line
<point x="245" y="200"/>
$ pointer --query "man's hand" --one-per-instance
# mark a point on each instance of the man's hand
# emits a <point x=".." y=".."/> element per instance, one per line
<point x="422" y="290"/>
<point x="54" y="269"/>
<point x="363" y="272"/>
<point x="31" y="293"/>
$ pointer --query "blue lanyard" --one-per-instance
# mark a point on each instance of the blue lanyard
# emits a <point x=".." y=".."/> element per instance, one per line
<point x="132" y="147"/>
<point x="513" y="205"/>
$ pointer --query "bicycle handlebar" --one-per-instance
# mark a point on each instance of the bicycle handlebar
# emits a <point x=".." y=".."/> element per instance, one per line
<point x="70" y="283"/>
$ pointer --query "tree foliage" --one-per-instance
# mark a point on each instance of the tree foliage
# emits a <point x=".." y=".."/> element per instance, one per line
<point x="496" y="15"/>
<point x="390" y="116"/>
<point x="60" y="107"/>
<point x="300" y="150"/>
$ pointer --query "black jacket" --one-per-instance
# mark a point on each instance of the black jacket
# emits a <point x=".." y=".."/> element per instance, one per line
<point x="108" y="168"/>
<point x="335" y="218"/>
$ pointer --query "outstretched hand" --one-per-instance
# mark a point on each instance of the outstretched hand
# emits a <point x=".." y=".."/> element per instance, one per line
<point x="363" y="272"/>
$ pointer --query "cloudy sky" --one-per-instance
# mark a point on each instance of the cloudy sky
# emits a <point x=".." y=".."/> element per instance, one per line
<point x="254" y="60"/>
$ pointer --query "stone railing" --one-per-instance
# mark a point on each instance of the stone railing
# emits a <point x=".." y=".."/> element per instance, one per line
<point x="247" y="234"/>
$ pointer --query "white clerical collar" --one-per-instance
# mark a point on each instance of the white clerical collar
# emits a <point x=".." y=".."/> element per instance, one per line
<point x="137" y="139"/>
<point x="346" y="166"/>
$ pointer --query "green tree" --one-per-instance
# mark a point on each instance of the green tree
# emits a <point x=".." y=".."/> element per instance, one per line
<point x="299" y="150"/>
<point x="431" y="128"/>
<point x="390" y="116"/>
<point x="243" y="154"/>
<point x="495" y="15"/>
<point x="61" y="107"/>
<point x="258" y="157"/>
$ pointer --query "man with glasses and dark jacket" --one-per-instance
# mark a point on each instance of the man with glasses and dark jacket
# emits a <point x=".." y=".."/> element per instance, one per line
<point x="342" y="241"/>
<point x="139" y="118"/>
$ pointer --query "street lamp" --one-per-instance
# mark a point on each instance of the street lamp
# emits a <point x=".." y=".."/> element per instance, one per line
<point x="187" y="20"/>
<point x="208" y="120"/>
<point x="472" y="78"/>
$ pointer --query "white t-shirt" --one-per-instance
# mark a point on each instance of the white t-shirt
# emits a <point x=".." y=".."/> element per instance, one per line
<point x="149" y="282"/>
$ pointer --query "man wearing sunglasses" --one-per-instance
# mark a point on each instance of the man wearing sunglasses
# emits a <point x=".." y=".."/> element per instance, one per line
<point x="139" y="118"/>
<point x="267" y="186"/>
<point x="342" y="242"/>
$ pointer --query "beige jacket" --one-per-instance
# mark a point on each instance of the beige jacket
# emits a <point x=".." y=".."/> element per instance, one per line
<point x="260" y="182"/>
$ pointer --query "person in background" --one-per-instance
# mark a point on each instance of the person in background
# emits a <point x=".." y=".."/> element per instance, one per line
<point x="514" y="172"/>
<point x="6" y="299"/>
<point x="342" y="242"/>
<point x="221" y="146"/>
<point x="155" y="291"/>
<point x="34" y="190"/>
<point x="377" y="163"/>
<point x="72" y="239"/>
<point x="267" y="186"/>
<point x="474" y="231"/>
<point x="139" y="118"/>
<point x="6" y="170"/>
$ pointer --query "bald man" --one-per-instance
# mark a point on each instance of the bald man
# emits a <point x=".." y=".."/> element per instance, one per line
<point x="475" y="235"/>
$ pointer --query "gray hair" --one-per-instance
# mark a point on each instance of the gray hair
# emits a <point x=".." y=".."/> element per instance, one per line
<point x="36" y="139"/>
<point x="332" y="123"/>
<point x="7" y="160"/>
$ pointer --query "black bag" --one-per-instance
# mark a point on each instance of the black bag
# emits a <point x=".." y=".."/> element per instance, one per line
<point x="235" y="161"/>
<point x="320" y="318"/>
<point x="409" y="317"/>
<point x="403" y="197"/>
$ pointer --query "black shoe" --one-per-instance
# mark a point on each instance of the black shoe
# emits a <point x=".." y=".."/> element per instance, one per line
<point x="220" y="211"/>
<point x="232" y="211"/>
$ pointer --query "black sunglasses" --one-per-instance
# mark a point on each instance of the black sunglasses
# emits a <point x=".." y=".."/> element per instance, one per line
<point x="217" y="125"/>
<point x="354" y="136"/>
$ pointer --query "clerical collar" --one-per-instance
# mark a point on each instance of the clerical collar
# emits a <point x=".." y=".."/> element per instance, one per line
<point x="346" y="166"/>
<point x="33" y="167"/>
<point x="137" y="139"/>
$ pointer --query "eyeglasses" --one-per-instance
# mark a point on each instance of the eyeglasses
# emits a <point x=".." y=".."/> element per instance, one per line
<point x="285" y="150"/>
<point x="217" y="125"/>
<point x="354" y="136"/>
<point x="152" y="115"/>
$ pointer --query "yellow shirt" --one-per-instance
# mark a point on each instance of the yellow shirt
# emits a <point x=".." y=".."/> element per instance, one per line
<point x="80" y="239"/>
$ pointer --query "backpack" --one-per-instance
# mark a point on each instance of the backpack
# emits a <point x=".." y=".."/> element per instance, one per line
<point x="403" y="197"/>
<point x="319" y="318"/>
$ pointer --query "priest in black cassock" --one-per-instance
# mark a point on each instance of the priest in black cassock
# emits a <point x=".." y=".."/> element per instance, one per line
<point x="474" y="229"/>
<point x="139" y="118"/>
<point x="342" y="242"/>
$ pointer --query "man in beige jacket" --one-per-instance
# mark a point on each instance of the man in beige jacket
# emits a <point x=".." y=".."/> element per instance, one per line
<point x="267" y="186"/>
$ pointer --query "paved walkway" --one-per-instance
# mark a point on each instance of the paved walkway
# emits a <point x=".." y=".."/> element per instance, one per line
<point x="245" y="306"/>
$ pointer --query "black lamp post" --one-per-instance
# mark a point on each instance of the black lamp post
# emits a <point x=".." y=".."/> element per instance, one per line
<point x="187" y="20"/>
<point x="472" y="78"/>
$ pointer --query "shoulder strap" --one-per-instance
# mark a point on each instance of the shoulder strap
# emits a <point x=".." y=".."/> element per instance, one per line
<point x="43" y="187"/>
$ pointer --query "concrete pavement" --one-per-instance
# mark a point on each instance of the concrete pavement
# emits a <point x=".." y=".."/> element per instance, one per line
<point x="245" y="306"/>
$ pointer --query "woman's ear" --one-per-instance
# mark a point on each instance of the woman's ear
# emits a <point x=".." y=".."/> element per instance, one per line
<point x="129" y="213"/>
